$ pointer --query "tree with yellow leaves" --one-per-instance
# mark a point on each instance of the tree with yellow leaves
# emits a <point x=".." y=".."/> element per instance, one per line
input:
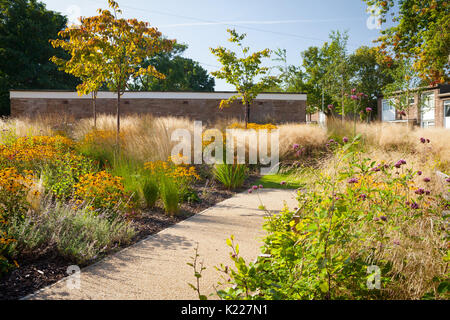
<point x="243" y="73"/>
<point x="116" y="48"/>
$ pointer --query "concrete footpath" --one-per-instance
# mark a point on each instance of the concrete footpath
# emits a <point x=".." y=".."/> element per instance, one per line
<point x="155" y="268"/>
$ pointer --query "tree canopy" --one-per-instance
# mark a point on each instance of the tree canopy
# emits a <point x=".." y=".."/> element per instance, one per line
<point x="25" y="29"/>
<point x="328" y="74"/>
<point x="421" y="33"/>
<point x="182" y="74"/>
<point x="245" y="73"/>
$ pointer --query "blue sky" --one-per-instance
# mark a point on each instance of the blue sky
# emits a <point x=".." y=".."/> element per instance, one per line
<point x="291" y="24"/>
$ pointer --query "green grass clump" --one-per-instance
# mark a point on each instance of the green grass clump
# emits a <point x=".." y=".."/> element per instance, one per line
<point x="231" y="176"/>
<point x="150" y="191"/>
<point x="168" y="191"/>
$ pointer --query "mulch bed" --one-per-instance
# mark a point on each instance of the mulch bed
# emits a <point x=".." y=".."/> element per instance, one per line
<point x="49" y="267"/>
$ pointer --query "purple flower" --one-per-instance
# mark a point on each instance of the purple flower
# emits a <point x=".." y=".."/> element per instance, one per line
<point x="419" y="191"/>
<point x="368" y="109"/>
<point x="295" y="146"/>
<point x="384" y="218"/>
<point x="345" y="139"/>
<point x="403" y="161"/>
<point x="423" y="140"/>
<point x="428" y="140"/>
<point x="448" y="180"/>
<point x="250" y="190"/>
<point x="396" y="242"/>
<point x="363" y="196"/>
<point x="261" y="186"/>
<point x="353" y="180"/>
<point x="426" y="179"/>
<point x="283" y="183"/>
<point x="414" y="205"/>
<point x="427" y="192"/>
<point x="376" y="219"/>
<point x="419" y="173"/>
<point x="255" y="187"/>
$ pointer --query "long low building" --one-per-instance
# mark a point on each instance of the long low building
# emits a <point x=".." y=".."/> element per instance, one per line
<point x="204" y="106"/>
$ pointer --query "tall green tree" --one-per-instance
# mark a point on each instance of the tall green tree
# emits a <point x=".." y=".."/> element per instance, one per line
<point x="182" y="74"/>
<point x="245" y="73"/>
<point x="123" y="44"/>
<point x="25" y="29"/>
<point x="404" y="85"/>
<point x="370" y="75"/>
<point x="86" y="62"/>
<point x="421" y="32"/>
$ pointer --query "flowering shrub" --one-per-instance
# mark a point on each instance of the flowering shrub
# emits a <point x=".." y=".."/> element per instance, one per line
<point x="28" y="149"/>
<point x="174" y="182"/>
<point x="363" y="214"/>
<point x="13" y="191"/>
<point x="61" y="174"/>
<point x="255" y="126"/>
<point x="102" y="191"/>
<point x="14" y="188"/>
<point x="182" y="173"/>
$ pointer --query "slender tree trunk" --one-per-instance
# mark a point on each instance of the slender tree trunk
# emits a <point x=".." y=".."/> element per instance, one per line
<point x="94" y="107"/>
<point x="246" y="114"/>
<point x="343" y="104"/>
<point x="118" y="119"/>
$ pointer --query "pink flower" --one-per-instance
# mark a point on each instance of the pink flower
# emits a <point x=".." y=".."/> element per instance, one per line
<point x="353" y="97"/>
<point x="368" y="109"/>
<point x="353" y="180"/>
<point x="330" y="106"/>
<point x="295" y="146"/>
<point x="345" y="139"/>
<point x="353" y="90"/>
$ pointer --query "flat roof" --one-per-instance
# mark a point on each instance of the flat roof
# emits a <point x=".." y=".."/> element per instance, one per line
<point x="217" y="95"/>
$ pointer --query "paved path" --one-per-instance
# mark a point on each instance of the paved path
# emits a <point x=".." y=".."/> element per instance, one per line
<point x="156" y="269"/>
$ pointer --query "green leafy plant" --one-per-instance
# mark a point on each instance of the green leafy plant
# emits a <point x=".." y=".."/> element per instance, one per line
<point x="60" y="175"/>
<point x="74" y="232"/>
<point x="169" y="195"/>
<point x="150" y="191"/>
<point x="359" y="215"/>
<point x="231" y="176"/>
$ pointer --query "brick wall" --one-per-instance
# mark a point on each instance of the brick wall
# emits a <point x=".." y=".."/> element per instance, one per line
<point x="262" y="110"/>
